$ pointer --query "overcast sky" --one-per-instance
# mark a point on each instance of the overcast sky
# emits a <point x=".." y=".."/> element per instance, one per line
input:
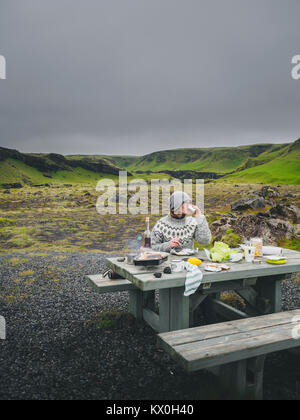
<point x="135" y="76"/>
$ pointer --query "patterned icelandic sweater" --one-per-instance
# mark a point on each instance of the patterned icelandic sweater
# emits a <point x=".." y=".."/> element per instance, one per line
<point x="186" y="230"/>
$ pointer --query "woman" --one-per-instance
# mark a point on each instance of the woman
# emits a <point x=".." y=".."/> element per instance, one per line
<point x="178" y="229"/>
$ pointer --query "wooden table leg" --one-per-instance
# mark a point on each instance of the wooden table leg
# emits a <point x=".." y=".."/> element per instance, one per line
<point x="164" y="310"/>
<point x="269" y="291"/>
<point x="209" y="313"/>
<point x="179" y="309"/>
<point x="136" y="300"/>
<point x="196" y="302"/>
<point x="149" y="300"/>
<point x="174" y="309"/>
<point x="149" y="314"/>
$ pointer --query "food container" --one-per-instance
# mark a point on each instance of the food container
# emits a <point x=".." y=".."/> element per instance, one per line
<point x="130" y="258"/>
<point x="257" y="243"/>
<point x="177" y="266"/>
<point x="150" y="258"/>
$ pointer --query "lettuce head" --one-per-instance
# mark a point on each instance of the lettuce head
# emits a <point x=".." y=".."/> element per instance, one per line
<point x="221" y="252"/>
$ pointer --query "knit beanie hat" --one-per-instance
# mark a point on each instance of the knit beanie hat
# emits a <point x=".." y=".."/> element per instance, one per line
<point x="177" y="199"/>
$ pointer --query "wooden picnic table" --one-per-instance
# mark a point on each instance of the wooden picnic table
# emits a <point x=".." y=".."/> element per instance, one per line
<point x="259" y="285"/>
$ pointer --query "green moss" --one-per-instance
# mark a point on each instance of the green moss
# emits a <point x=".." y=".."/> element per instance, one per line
<point x="290" y="244"/>
<point x="21" y="237"/>
<point x="43" y="224"/>
<point x="113" y="319"/>
<point x="4" y="222"/>
<point x="232" y="299"/>
<point x="296" y="279"/>
<point x="17" y="261"/>
<point x="26" y="273"/>
<point x="231" y="239"/>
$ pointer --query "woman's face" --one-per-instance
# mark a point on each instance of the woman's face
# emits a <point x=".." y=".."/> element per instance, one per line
<point x="183" y="209"/>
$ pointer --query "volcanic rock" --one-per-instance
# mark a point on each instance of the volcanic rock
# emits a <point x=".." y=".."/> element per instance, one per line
<point x="246" y="203"/>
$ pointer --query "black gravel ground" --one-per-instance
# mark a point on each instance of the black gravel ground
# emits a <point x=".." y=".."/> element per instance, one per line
<point x="65" y="341"/>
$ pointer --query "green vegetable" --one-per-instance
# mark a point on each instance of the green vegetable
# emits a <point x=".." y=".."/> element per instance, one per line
<point x="221" y="252"/>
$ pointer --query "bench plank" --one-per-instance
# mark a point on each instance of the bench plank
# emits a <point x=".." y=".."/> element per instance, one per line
<point x="106" y="285"/>
<point x="220" y="344"/>
<point x="243" y="349"/>
<point x="211" y="331"/>
<point x="214" y="345"/>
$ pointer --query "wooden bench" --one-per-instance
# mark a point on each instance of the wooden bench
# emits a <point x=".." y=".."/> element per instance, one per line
<point x="106" y="285"/>
<point x="234" y="350"/>
<point x="137" y="299"/>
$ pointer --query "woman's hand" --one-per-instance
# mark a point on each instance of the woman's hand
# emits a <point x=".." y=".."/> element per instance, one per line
<point x="197" y="213"/>
<point x="174" y="243"/>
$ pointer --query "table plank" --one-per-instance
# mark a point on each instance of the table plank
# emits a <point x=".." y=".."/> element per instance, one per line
<point x="129" y="271"/>
<point x="143" y="278"/>
<point x="237" y="271"/>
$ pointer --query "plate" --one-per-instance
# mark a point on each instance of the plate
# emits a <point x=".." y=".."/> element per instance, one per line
<point x="183" y="253"/>
<point x="280" y="261"/>
<point x="236" y="257"/>
<point x="213" y="268"/>
<point x="151" y="258"/>
<point x="274" y="257"/>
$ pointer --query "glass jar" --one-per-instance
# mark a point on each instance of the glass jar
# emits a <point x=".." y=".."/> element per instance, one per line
<point x="257" y="243"/>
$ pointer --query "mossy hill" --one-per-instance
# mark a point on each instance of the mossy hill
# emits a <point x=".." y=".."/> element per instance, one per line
<point x="270" y="163"/>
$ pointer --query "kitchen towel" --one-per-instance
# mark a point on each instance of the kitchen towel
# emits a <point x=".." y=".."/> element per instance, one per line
<point x="272" y="250"/>
<point x="194" y="278"/>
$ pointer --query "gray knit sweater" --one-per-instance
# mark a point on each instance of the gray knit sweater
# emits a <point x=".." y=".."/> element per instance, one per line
<point x="186" y="230"/>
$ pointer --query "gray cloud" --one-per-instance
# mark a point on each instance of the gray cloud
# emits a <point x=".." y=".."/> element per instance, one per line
<point x="133" y="76"/>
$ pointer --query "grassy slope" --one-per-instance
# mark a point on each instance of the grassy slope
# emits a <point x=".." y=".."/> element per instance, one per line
<point x="12" y="170"/>
<point x="220" y="159"/>
<point x="119" y="161"/>
<point x="256" y="163"/>
<point x="284" y="168"/>
<point x="210" y="161"/>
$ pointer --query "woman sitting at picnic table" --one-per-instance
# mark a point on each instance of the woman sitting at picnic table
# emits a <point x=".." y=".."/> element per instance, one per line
<point x="178" y="229"/>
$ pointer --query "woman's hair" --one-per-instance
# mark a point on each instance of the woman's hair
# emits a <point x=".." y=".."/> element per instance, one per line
<point x="177" y="199"/>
